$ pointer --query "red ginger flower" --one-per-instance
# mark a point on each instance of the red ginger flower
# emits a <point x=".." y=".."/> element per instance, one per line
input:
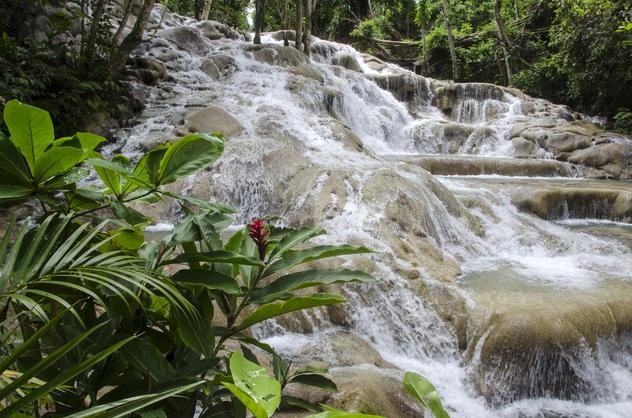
<point x="257" y="232"/>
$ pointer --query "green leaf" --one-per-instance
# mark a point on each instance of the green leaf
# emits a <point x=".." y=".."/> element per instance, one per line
<point x="82" y="140"/>
<point x="131" y="216"/>
<point x="215" y="257"/>
<point x="131" y="177"/>
<point x="257" y="410"/>
<point x="293" y="258"/>
<point x="209" y="279"/>
<point x="124" y="407"/>
<point x="335" y="413"/>
<point x="294" y="238"/>
<point x="425" y="392"/>
<point x="66" y="179"/>
<point x="196" y="331"/>
<point x="63" y="377"/>
<point x="291" y="305"/>
<point x="314" y="379"/>
<point x="128" y="238"/>
<point x="255" y="381"/>
<point x="55" y="161"/>
<point x="8" y="192"/>
<point x="189" y="154"/>
<point x="291" y="402"/>
<point x="309" y="278"/>
<point x="148" y="168"/>
<point x="204" y="204"/>
<point x="146" y="358"/>
<point x="13" y="168"/>
<point x="31" y="130"/>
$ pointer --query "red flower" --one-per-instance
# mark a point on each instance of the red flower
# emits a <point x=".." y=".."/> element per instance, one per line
<point x="257" y="232"/>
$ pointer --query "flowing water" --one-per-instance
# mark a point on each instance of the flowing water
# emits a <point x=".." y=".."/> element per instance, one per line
<point x="512" y="262"/>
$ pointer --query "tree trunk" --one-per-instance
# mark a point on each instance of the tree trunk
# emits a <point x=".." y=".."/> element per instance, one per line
<point x="116" y="40"/>
<point x="448" y="27"/>
<point x="299" y="24"/>
<point x="91" y="42"/>
<point x="206" y="10"/>
<point x="307" y="35"/>
<point x="286" y="22"/>
<point x="259" y="8"/>
<point x="504" y="41"/>
<point x="424" y="53"/>
<point x="131" y="41"/>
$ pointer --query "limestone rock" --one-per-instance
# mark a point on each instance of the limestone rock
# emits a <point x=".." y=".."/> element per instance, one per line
<point x="218" y="66"/>
<point x="273" y="54"/>
<point x="522" y="147"/>
<point x="308" y="71"/>
<point x="615" y="159"/>
<point x="211" y="119"/>
<point x="214" y="30"/>
<point x="347" y="61"/>
<point x="186" y="38"/>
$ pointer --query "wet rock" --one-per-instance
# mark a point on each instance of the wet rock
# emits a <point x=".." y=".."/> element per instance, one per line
<point x="281" y="35"/>
<point x="522" y="148"/>
<point x="348" y="138"/>
<point x="347" y="61"/>
<point x="454" y="165"/>
<point x="534" y="342"/>
<point x="218" y="66"/>
<point x="100" y="123"/>
<point x="405" y="87"/>
<point x="214" y="30"/>
<point x="374" y="63"/>
<point x="185" y="38"/>
<point x="277" y="55"/>
<point x="614" y="159"/>
<point x="211" y="119"/>
<point x="308" y="71"/>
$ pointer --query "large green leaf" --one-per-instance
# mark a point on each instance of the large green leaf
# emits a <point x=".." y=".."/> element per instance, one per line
<point x="148" y="168"/>
<point x="13" y="169"/>
<point x="425" y="392"/>
<point x="8" y="192"/>
<point x="63" y="377"/>
<point x="56" y="161"/>
<point x="256" y="383"/>
<point x="131" y="177"/>
<point x="252" y="405"/>
<point x="334" y="413"/>
<point x="309" y="278"/>
<point x="215" y="257"/>
<point x="291" y="305"/>
<point x="31" y="130"/>
<point x="66" y="180"/>
<point x="146" y="358"/>
<point x="130" y="215"/>
<point x="314" y="379"/>
<point x="207" y="278"/>
<point x="83" y="140"/>
<point x="196" y="331"/>
<point x="189" y="154"/>
<point x="294" y="238"/>
<point x="293" y="258"/>
<point x="124" y="407"/>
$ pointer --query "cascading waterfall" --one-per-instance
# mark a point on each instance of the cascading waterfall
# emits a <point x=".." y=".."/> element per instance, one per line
<point x="466" y="220"/>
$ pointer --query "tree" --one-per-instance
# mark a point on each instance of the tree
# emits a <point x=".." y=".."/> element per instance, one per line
<point x="448" y="27"/>
<point x="299" y="24"/>
<point x="206" y="9"/>
<point x="504" y="40"/>
<point x="259" y="11"/>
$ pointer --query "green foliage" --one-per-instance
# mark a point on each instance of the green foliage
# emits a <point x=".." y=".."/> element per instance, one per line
<point x="424" y="392"/>
<point x="108" y="328"/>
<point x="623" y="122"/>
<point x="377" y="27"/>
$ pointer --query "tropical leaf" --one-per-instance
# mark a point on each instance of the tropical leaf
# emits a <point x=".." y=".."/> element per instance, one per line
<point x="304" y="279"/>
<point x="424" y="392"/>
<point x="293" y="258"/>
<point x="31" y="130"/>
<point x="208" y="279"/>
<point x="215" y="257"/>
<point x="290" y="305"/>
<point x="189" y="154"/>
<point x="8" y="192"/>
<point x="253" y="380"/>
<point x="314" y="379"/>
<point x="294" y="238"/>
<point x="13" y="168"/>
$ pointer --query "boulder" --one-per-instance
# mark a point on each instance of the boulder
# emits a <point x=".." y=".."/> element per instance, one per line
<point x="214" y="30"/>
<point x="614" y="159"/>
<point x="404" y="87"/>
<point x="211" y="119"/>
<point x="308" y="71"/>
<point x="280" y="35"/>
<point x="522" y="148"/>
<point x="534" y="342"/>
<point x="273" y="54"/>
<point x="347" y="61"/>
<point x="218" y="66"/>
<point x="186" y="38"/>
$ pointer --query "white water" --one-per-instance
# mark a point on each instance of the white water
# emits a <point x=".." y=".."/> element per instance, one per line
<point x="400" y="325"/>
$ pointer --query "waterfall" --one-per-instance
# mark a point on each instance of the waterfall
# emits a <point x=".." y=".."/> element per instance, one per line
<point x="457" y="262"/>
